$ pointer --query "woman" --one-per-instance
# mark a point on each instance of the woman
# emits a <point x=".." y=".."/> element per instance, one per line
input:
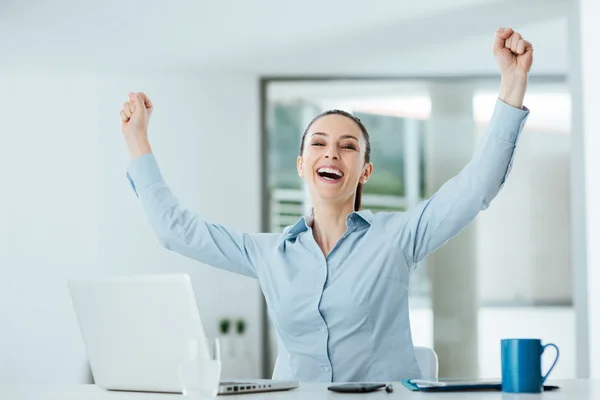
<point x="336" y="283"/>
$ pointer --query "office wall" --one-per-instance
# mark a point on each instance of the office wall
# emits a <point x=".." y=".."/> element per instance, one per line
<point x="590" y="84"/>
<point x="584" y="62"/>
<point x="67" y="210"/>
<point x="524" y="237"/>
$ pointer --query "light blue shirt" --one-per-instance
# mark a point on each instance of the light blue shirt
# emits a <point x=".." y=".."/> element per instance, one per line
<point x="343" y="317"/>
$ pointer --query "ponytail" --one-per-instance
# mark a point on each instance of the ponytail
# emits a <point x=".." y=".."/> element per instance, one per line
<point x="358" y="197"/>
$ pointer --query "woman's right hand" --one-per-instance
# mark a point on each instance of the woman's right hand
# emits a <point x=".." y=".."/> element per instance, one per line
<point x="135" y="116"/>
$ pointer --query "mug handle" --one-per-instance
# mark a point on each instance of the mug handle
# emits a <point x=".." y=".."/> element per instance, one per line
<point x="555" y="360"/>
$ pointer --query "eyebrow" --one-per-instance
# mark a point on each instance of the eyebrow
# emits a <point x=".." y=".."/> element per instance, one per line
<point x="342" y="137"/>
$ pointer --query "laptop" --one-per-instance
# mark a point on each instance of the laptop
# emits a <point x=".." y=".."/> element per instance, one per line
<point x="135" y="330"/>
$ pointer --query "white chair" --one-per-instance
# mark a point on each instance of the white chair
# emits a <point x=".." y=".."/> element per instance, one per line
<point x="427" y="360"/>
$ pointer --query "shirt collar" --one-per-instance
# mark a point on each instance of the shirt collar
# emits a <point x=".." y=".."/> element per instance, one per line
<point x="356" y="218"/>
<point x="362" y="216"/>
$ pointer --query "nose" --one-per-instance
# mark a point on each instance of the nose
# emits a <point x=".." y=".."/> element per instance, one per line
<point x="332" y="153"/>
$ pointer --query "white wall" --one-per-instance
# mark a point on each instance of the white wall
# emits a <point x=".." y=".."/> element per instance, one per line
<point x="584" y="63"/>
<point x="590" y="85"/>
<point x="67" y="209"/>
<point x="524" y="237"/>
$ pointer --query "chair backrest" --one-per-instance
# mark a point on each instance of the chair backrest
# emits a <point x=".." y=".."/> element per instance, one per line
<point x="427" y="360"/>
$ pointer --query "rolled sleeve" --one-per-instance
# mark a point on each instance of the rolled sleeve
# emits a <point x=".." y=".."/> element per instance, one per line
<point x="143" y="172"/>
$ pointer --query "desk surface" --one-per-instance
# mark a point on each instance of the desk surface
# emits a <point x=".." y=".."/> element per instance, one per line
<point x="570" y="389"/>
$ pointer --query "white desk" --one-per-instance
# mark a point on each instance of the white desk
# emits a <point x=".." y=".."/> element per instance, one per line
<point x="570" y="390"/>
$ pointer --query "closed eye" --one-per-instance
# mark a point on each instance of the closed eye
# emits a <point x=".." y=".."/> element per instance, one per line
<point x="318" y="144"/>
<point x="349" y="146"/>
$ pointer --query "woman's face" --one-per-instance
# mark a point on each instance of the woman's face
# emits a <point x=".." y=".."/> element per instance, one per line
<point x="333" y="160"/>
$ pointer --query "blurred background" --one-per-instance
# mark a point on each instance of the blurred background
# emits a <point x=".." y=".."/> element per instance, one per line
<point x="234" y="85"/>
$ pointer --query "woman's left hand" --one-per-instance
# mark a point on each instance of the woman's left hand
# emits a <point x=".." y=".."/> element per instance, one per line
<point x="513" y="53"/>
<point x="514" y="56"/>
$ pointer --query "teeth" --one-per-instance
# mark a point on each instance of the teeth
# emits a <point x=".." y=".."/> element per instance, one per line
<point x="330" y="171"/>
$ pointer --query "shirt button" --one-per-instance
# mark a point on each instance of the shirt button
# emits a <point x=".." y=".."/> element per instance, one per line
<point x="323" y="330"/>
<point x="326" y="369"/>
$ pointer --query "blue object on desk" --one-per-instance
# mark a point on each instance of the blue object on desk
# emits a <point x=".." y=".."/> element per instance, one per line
<point x="447" y="385"/>
<point x="522" y="365"/>
<point x="457" y="385"/>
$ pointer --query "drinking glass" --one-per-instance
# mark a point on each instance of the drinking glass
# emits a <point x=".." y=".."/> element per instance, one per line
<point x="200" y="372"/>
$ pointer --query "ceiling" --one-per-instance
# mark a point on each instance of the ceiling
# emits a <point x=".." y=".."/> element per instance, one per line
<point x="277" y="37"/>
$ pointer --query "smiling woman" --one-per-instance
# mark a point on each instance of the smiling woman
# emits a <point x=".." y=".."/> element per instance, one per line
<point x="346" y="146"/>
<point x="336" y="282"/>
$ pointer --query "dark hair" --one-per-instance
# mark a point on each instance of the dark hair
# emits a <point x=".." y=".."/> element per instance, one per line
<point x="358" y="197"/>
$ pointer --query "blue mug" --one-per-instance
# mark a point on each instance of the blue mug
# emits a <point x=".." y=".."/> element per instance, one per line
<point x="522" y="365"/>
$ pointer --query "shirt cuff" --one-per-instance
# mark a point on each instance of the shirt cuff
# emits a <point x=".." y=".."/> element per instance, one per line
<point x="143" y="172"/>
<point x="507" y="121"/>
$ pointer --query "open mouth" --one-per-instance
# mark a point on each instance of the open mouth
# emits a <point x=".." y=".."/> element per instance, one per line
<point x="330" y="174"/>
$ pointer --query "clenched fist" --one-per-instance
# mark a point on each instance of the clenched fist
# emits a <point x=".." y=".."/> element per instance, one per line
<point x="135" y="116"/>
<point x="513" y="53"/>
<point x="514" y="56"/>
